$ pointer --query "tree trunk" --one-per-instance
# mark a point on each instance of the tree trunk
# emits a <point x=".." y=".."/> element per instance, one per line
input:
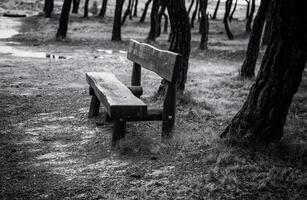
<point x="154" y="24"/>
<point x="263" y="115"/>
<point x="194" y="14"/>
<point x="103" y="9"/>
<point x="247" y="9"/>
<point x="127" y="12"/>
<point x="204" y="24"/>
<point x="268" y="27"/>
<point x="190" y="7"/>
<point x="226" y="19"/>
<point x="181" y="36"/>
<point x="48" y="8"/>
<point x="250" y="18"/>
<point x="249" y="64"/>
<point x="142" y="19"/>
<point x="135" y="11"/>
<point x="165" y="23"/>
<point x="86" y="9"/>
<point x="160" y="14"/>
<point x="116" y="32"/>
<point x="75" y="6"/>
<point x="131" y="9"/>
<point x="233" y="11"/>
<point x="216" y="9"/>
<point x="63" y="25"/>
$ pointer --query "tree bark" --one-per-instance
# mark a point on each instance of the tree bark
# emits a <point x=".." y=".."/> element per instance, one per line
<point x="216" y="9"/>
<point x="63" y="25"/>
<point x="233" y="11"/>
<point x="142" y="19"/>
<point x="116" y="32"/>
<point x="181" y="36"/>
<point x="161" y="14"/>
<point x="226" y="19"/>
<point x="86" y="9"/>
<point x="154" y="24"/>
<point x="103" y="9"/>
<point x="262" y="117"/>
<point x="75" y="6"/>
<point x="248" y="27"/>
<point x="204" y="24"/>
<point x="48" y="8"/>
<point x="249" y="64"/>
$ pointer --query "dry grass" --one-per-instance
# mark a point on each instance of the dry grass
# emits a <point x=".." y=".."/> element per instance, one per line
<point x="49" y="149"/>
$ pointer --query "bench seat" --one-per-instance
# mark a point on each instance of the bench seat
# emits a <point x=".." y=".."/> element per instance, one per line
<point x="119" y="101"/>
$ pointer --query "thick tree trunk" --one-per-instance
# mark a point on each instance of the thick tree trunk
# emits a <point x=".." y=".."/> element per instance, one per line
<point x="75" y="6"/>
<point x="127" y="12"/>
<point x="116" y="32"/>
<point x="216" y="9"/>
<point x="226" y="19"/>
<point x="249" y="64"/>
<point x="86" y="9"/>
<point x="48" y="8"/>
<point x="248" y="26"/>
<point x="63" y="25"/>
<point x="181" y="36"/>
<point x="263" y="115"/>
<point x="154" y="22"/>
<point x="233" y="11"/>
<point x="135" y="11"/>
<point x="103" y="9"/>
<point x="204" y="24"/>
<point x="143" y="17"/>
<point x="194" y="14"/>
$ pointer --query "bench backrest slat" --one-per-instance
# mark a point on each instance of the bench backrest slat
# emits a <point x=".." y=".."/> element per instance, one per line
<point x="164" y="63"/>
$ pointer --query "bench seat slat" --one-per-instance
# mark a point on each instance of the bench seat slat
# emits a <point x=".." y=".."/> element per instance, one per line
<point x="118" y="99"/>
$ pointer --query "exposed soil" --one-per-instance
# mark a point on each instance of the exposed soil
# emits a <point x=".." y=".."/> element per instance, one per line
<point x="49" y="149"/>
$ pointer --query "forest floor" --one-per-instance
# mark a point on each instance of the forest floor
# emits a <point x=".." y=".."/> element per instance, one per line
<point x="49" y="149"/>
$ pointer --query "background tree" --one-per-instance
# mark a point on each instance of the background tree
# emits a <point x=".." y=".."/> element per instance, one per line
<point x="75" y="6"/>
<point x="247" y="9"/>
<point x="263" y="115"/>
<point x="194" y="14"/>
<point x="250" y="17"/>
<point x="143" y="17"/>
<point x="154" y="24"/>
<point x="64" y="18"/>
<point x="190" y="7"/>
<point x="86" y="9"/>
<point x="204" y="24"/>
<point x="135" y="10"/>
<point x="249" y="64"/>
<point x="233" y="11"/>
<point x="226" y="19"/>
<point x="103" y="9"/>
<point x="116" y="31"/>
<point x="48" y="8"/>
<point x="216" y="9"/>
<point x="268" y="26"/>
<point x="127" y="12"/>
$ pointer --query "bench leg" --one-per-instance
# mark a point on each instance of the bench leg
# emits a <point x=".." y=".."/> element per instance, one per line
<point x="119" y="128"/>
<point x="94" y="107"/>
<point x="169" y="107"/>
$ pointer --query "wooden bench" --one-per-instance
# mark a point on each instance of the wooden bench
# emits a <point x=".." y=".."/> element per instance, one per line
<point x="122" y="103"/>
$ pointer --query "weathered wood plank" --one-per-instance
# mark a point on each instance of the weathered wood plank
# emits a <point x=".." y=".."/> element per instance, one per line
<point x="164" y="63"/>
<point x="117" y="98"/>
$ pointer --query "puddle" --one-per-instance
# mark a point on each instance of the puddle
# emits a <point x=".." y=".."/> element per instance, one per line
<point x="8" y="28"/>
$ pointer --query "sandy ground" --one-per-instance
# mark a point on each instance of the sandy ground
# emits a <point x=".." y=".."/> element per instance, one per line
<point x="49" y="149"/>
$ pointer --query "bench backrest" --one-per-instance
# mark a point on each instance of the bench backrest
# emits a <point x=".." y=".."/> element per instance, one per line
<point x="164" y="63"/>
